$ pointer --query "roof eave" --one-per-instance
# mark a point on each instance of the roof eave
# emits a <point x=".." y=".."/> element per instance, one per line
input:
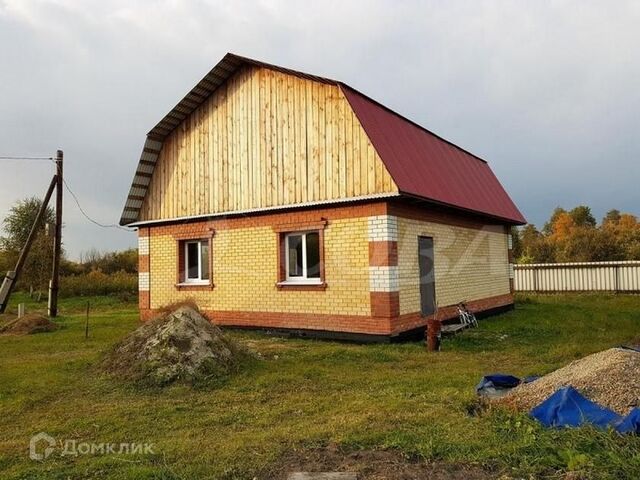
<point x="498" y="218"/>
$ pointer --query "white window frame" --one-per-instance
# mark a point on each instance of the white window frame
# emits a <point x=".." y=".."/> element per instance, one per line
<point x="199" y="280"/>
<point x="303" y="279"/>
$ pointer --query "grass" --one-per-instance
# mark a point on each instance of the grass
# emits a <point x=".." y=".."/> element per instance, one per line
<point x="309" y="393"/>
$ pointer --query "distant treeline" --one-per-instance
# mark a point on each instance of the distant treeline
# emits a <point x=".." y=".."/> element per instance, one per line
<point x="576" y="236"/>
<point x="95" y="274"/>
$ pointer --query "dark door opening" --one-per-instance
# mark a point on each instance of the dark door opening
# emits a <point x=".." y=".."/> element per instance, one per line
<point x="427" y="276"/>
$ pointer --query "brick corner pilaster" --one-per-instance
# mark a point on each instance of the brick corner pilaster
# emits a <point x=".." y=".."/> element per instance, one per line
<point x="144" y="268"/>
<point x="383" y="267"/>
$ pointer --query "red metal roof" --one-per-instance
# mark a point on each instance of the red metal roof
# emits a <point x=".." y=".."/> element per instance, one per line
<point x="429" y="167"/>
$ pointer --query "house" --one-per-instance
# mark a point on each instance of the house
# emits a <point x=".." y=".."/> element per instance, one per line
<point x="285" y="201"/>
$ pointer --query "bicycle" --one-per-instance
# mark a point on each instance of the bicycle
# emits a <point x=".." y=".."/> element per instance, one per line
<point x="467" y="318"/>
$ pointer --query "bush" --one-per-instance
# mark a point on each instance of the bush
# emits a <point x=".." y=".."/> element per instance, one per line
<point x="99" y="283"/>
<point x="110" y="262"/>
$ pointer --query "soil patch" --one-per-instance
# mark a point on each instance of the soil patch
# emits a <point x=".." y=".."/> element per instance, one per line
<point x="27" y="325"/>
<point x="610" y="378"/>
<point x="177" y="346"/>
<point x="371" y="465"/>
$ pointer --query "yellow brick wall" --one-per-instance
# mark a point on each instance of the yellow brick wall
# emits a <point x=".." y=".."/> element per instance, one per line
<point x="245" y="272"/>
<point x="470" y="264"/>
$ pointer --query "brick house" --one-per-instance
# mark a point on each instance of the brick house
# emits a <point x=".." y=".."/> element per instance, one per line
<point x="290" y="202"/>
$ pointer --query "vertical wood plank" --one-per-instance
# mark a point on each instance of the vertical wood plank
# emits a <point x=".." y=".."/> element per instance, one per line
<point x="322" y="139"/>
<point x="276" y="197"/>
<point x="304" y="147"/>
<point x="313" y="179"/>
<point x="268" y="114"/>
<point x="336" y="146"/>
<point x="346" y="173"/>
<point x="328" y="142"/>
<point x="356" y="153"/>
<point x="298" y="119"/>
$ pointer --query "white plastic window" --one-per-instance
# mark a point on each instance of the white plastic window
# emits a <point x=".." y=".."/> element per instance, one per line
<point x="196" y="261"/>
<point x="303" y="257"/>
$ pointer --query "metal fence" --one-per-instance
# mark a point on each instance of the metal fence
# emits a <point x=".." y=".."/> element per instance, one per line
<point x="578" y="277"/>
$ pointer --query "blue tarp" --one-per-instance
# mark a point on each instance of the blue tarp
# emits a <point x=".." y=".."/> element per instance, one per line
<point x="630" y="423"/>
<point x="568" y="408"/>
<point x="499" y="384"/>
<point x="496" y="385"/>
<point x="498" y="380"/>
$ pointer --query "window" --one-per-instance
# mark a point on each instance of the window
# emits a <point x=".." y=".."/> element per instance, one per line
<point x="196" y="261"/>
<point x="301" y="255"/>
<point x="302" y="251"/>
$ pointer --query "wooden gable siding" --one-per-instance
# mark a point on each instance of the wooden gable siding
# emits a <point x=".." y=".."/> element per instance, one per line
<point x="264" y="139"/>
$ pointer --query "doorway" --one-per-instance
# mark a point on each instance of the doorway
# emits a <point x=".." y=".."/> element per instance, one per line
<point x="427" y="276"/>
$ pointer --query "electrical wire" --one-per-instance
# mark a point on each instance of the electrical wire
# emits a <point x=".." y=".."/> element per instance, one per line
<point x="113" y="225"/>
<point x="102" y="225"/>
<point x="25" y="158"/>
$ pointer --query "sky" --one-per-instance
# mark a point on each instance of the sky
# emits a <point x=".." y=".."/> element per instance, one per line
<point x="547" y="91"/>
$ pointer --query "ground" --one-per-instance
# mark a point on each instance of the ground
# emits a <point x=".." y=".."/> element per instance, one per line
<point x="312" y="404"/>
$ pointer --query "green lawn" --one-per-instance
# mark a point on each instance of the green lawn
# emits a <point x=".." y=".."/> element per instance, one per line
<point x="307" y="394"/>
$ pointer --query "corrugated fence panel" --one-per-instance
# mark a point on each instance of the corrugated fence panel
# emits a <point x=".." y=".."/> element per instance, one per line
<point x="578" y="277"/>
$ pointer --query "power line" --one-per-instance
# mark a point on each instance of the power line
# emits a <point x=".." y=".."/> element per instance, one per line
<point x="87" y="216"/>
<point x="102" y="225"/>
<point x="25" y="158"/>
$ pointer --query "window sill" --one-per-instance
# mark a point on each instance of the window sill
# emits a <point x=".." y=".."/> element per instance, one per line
<point x="301" y="286"/>
<point x="194" y="286"/>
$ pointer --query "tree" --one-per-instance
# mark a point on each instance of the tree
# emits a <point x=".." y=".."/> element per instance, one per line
<point x="562" y="227"/>
<point x="536" y="248"/>
<point x="548" y="227"/>
<point x="516" y="242"/>
<point x="4" y="263"/>
<point x="588" y="244"/>
<point x="574" y="236"/>
<point x="19" y="221"/>
<point x="582" y="216"/>
<point x="628" y="222"/>
<point x="611" y="219"/>
<point x="628" y="234"/>
<point x="17" y="225"/>
<point x="529" y="234"/>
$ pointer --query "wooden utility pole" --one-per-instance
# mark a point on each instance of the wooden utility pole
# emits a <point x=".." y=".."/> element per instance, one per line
<point x="54" y="283"/>
<point x="12" y="276"/>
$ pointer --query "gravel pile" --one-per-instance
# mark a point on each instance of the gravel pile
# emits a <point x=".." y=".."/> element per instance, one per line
<point x="610" y="378"/>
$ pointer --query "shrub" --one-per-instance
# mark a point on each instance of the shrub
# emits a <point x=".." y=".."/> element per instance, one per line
<point x="99" y="283"/>
<point x="110" y="262"/>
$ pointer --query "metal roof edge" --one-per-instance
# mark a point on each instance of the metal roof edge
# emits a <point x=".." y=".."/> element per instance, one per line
<point x="510" y="221"/>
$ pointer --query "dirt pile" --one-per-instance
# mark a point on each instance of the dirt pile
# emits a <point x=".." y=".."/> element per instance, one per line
<point x="27" y="325"/>
<point x="610" y="378"/>
<point x="177" y="346"/>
